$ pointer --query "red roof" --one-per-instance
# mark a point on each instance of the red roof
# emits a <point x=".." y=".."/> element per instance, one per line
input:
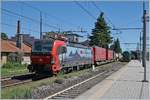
<point x="10" y="46"/>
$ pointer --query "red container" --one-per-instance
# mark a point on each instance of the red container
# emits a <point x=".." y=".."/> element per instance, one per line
<point x="110" y="55"/>
<point x="99" y="54"/>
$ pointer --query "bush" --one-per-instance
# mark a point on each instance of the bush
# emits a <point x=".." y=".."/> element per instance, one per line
<point x="7" y="65"/>
<point x="13" y="64"/>
<point x="15" y="57"/>
<point x="19" y="57"/>
<point x="12" y="57"/>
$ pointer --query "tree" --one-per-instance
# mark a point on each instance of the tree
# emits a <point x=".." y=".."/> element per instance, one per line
<point x="116" y="46"/>
<point x="101" y="33"/>
<point x="12" y="57"/>
<point x="16" y="57"/>
<point x="4" y="36"/>
<point x="20" y="56"/>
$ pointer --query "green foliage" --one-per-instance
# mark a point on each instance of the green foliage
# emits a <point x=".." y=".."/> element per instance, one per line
<point x="4" y="36"/>
<point x="13" y="68"/>
<point x="116" y="46"/>
<point x="12" y="57"/>
<point x="15" y="57"/>
<point x="25" y="91"/>
<point x="8" y="65"/>
<point x="16" y="93"/>
<point x="20" y="56"/>
<point x="13" y="65"/>
<point x="101" y="33"/>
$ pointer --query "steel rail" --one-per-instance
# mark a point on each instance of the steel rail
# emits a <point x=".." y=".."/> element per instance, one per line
<point x="49" y="97"/>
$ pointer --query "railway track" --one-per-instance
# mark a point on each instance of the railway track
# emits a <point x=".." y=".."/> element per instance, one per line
<point x="16" y="80"/>
<point x="79" y="88"/>
<point x="19" y="79"/>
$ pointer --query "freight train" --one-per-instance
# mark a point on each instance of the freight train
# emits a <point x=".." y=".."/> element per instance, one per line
<point x="52" y="56"/>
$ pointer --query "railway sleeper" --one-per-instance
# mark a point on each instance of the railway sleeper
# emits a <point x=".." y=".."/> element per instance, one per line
<point x="69" y="94"/>
<point x="57" y="97"/>
<point x="63" y="96"/>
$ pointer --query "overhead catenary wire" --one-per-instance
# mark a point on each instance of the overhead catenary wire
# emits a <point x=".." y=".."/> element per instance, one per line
<point x="37" y="9"/>
<point x="91" y="15"/>
<point x="104" y="14"/>
<point x="130" y="28"/>
<point x="29" y="18"/>
<point x="10" y="25"/>
<point x="111" y="21"/>
<point x="52" y="16"/>
<point x="14" y="26"/>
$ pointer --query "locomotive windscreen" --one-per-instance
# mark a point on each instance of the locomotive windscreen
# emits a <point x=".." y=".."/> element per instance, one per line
<point x="42" y="46"/>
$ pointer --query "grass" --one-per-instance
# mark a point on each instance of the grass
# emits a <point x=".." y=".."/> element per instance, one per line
<point x="10" y="69"/>
<point x="16" y="92"/>
<point x="25" y="90"/>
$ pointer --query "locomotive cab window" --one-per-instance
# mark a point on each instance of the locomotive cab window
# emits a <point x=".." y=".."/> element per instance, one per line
<point x="42" y="46"/>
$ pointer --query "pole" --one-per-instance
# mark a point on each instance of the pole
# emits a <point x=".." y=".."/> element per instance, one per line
<point x="18" y="33"/>
<point x="41" y="37"/>
<point x="144" y="42"/>
<point x="140" y="47"/>
<point x="18" y="27"/>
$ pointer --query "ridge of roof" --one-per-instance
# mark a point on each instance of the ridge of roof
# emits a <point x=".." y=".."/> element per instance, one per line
<point x="10" y="46"/>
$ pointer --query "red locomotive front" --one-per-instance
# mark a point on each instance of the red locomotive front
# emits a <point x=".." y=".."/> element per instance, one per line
<point x="44" y="57"/>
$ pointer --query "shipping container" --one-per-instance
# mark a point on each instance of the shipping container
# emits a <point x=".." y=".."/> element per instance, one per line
<point x="99" y="54"/>
<point x="110" y="55"/>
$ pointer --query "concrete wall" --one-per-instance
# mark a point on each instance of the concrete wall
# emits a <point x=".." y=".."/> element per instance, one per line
<point x="26" y="60"/>
<point x="3" y="60"/>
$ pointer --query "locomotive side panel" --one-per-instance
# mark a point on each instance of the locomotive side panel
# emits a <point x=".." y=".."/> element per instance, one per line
<point x="76" y="56"/>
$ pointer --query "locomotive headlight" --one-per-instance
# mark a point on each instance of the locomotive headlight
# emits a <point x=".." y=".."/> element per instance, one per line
<point x="40" y="60"/>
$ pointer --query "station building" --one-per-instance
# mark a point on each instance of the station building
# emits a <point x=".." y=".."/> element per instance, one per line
<point x="10" y="47"/>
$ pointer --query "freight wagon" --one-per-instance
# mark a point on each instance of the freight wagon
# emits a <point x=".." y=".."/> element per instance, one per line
<point x="102" y="55"/>
<point x="99" y="54"/>
<point x="110" y="55"/>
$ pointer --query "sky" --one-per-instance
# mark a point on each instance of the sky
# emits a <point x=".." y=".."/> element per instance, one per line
<point x="68" y="15"/>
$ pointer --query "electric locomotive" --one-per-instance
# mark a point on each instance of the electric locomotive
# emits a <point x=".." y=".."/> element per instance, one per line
<point x="51" y="56"/>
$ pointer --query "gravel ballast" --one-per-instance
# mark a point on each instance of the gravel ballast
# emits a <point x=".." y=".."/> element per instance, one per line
<point x="60" y="84"/>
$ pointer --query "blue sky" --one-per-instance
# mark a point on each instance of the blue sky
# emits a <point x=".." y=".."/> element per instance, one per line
<point x="69" y="16"/>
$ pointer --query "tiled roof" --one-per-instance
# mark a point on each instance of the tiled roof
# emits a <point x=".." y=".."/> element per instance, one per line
<point x="27" y="39"/>
<point x="10" y="46"/>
